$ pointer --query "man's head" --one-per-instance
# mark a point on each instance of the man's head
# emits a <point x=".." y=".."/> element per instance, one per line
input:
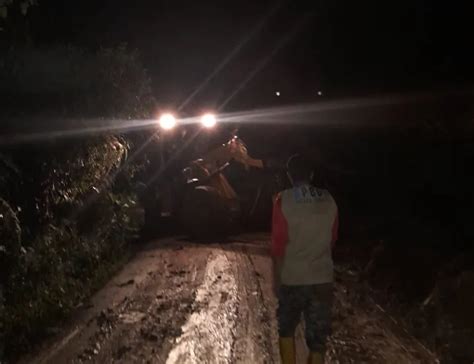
<point x="299" y="169"/>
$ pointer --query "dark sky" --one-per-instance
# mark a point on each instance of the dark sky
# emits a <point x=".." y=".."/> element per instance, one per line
<point x="341" y="47"/>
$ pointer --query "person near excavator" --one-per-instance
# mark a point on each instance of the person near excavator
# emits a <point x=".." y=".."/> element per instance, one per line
<point x="304" y="230"/>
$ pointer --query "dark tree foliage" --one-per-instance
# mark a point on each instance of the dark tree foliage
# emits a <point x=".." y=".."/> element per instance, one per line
<point x="68" y="207"/>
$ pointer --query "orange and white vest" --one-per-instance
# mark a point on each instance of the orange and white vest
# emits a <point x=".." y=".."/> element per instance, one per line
<point x="304" y="229"/>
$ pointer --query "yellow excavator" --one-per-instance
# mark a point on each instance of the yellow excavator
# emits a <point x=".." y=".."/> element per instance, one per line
<point x="210" y="206"/>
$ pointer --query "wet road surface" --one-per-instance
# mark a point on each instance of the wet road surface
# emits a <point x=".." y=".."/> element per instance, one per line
<point x="179" y="302"/>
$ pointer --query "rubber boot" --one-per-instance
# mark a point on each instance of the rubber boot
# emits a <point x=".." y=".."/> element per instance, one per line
<point x="315" y="358"/>
<point x="287" y="350"/>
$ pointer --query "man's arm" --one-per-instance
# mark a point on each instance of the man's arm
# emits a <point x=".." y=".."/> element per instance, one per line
<point x="279" y="240"/>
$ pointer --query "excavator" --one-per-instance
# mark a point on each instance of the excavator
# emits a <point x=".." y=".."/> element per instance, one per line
<point x="210" y="205"/>
<point x="201" y="197"/>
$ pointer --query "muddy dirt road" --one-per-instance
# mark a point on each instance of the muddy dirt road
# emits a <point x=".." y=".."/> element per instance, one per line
<point x="179" y="302"/>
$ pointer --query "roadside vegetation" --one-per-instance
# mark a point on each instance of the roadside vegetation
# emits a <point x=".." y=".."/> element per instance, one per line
<point x="69" y="207"/>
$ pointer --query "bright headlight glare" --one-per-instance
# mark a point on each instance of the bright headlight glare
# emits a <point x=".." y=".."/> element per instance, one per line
<point x="208" y="120"/>
<point x="167" y="121"/>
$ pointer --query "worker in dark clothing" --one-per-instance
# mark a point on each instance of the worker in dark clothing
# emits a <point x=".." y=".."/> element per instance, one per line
<point x="304" y="230"/>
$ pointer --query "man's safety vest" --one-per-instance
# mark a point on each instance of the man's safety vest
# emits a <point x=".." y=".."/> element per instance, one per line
<point x="304" y="229"/>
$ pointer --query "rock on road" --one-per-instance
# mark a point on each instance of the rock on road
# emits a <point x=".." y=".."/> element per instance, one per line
<point x="179" y="302"/>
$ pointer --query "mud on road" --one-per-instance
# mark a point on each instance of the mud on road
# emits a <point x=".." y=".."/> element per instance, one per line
<point x="179" y="302"/>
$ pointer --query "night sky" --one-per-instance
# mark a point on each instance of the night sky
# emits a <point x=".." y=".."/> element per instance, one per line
<point x="342" y="48"/>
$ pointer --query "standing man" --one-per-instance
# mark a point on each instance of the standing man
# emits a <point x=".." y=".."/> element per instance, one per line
<point x="304" y="230"/>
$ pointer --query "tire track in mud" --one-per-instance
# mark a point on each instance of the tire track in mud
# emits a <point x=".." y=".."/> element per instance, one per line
<point x="208" y="334"/>
<point x="253" y="341"/>
<point x="232" y="324"/>
<point x="141" y="329"/>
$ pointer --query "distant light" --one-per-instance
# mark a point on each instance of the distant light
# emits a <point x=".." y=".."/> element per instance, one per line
<point x="320" y="93"/>
<point x="208" y="120"/>
<point x="167" y="121"/>
<point x="278" y="93"/>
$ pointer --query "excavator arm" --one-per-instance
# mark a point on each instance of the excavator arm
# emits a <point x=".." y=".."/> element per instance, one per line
<point x="234" y="149"/>
<point x="210" y="166"/>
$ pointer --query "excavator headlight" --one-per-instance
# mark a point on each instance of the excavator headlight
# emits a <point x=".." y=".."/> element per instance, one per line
<point x="208" y="120"/>
<point x="167" y="121"/>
